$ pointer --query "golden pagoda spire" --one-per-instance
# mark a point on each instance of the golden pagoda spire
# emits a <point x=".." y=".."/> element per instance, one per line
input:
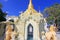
<point x="30" y="5"/>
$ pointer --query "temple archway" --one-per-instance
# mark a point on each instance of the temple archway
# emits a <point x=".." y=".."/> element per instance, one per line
<point x="30" y="32"/>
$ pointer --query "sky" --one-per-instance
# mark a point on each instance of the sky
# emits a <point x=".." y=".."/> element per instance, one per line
<point x="14" y="7"/>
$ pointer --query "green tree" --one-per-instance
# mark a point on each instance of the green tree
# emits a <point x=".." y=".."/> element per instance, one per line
<point x="53" y="13"/>
<point x="2" y="14"/>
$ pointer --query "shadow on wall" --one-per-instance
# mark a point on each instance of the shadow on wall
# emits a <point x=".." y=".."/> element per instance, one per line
<point x="2" y="31"/>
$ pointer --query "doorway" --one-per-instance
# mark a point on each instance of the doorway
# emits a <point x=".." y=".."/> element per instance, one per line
<point x="30" y="32"/>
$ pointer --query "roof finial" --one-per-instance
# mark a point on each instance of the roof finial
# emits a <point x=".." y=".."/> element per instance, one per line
<point x="30" y="4"/>
<point x="30" y="1"/>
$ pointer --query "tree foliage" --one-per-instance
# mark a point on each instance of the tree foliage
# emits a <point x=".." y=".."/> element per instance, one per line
<point x="53" y="13"/>
<point x="2" y="14"/>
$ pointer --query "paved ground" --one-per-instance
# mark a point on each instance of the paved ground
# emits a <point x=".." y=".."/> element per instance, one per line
<point x="58" y="35"/>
